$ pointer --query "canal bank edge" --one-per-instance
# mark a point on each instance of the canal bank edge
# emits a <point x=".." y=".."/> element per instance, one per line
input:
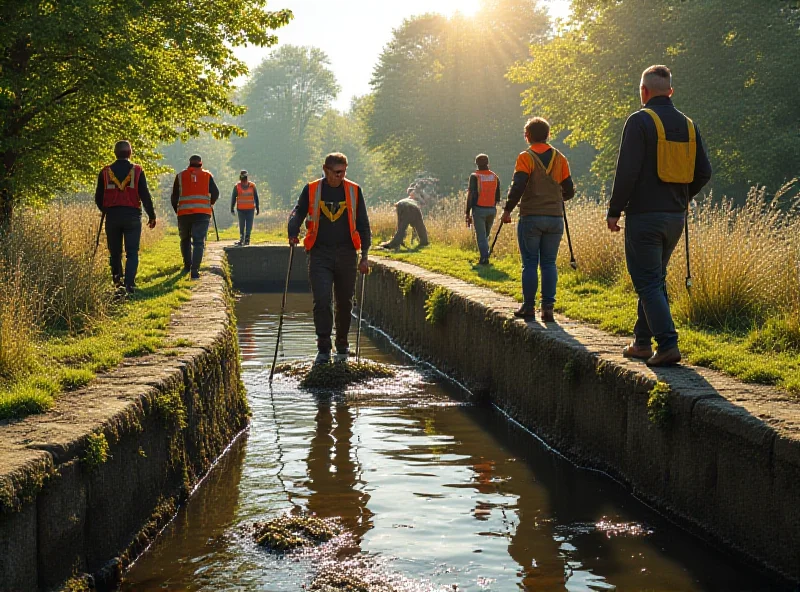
<point x="720" y="456"/>
<point x="85" y="487"/>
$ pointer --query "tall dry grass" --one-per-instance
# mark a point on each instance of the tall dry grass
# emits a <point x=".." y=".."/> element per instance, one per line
<point x="51" y="280"/>
<point x="745" y="259"/>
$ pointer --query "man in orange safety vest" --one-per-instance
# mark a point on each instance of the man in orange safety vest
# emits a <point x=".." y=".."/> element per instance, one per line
<point x="194" y="193"/>
<point x="337" y="230"/>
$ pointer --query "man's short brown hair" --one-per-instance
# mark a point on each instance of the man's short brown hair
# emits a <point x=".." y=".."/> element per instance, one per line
<point x="537" y="129"/>
<point x="482" y="160"/>
<point x="657" y="79"/>
<point x="122" y="149"/>
<point x="335" y="158"/>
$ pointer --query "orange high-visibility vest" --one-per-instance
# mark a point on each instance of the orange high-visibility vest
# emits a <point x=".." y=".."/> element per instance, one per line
<point x="125" y="195"/>
<point x="487" y="188"/>
<point x="194" y="197"/>
<point x="314" y="199"/>
<point x="245" y="198"/>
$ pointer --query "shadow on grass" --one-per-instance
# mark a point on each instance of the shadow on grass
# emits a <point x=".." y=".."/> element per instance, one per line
<point x="490" y="273"/>
<point x="165" y="286"/>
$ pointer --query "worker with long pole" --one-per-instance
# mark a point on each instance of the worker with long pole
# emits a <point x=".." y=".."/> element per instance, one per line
<point x="120" y="195"/>
<point x="194" y="194"/>
<point x="338" y="229"/>
<point x="541" y="183"/>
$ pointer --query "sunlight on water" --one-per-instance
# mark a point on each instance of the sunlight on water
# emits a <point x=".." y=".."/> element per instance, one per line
<point x="434" y="494"/>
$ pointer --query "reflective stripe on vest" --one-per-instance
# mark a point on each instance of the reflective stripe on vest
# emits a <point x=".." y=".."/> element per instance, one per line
<point x="127" y="195"/>
<point x="487" y="188"/>
<point x="314" y="206"/>
<point x="193" y="196"/>
<point x="245" y="198"/>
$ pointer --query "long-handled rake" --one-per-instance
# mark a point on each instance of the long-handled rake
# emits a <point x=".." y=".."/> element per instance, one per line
<point x="283" y="309"/>
<point x="97" y="238"/>
<point x="360" y="316"/>
<point x="494" y="242"/>
<point x="572" y="263"/>
<point x="214" y="218"/>
<point x="686" y="234"/>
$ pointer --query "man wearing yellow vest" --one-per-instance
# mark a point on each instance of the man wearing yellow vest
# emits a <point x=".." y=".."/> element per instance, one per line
<point x="542" y="182"/>
<point x="245" y="200"/>
<point x="483" y="195"/>
<point x="194" y="193"/>
<point x="337" y="230"/>
<point x="661" y="166"/>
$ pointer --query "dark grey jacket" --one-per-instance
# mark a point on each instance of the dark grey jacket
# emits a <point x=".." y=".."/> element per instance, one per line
<point x="637" y="188"/>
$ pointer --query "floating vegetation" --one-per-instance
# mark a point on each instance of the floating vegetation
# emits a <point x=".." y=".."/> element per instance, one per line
<point x="293" y="532"/>
<point x="335" y="376"/>
<point x="351" y="576"/>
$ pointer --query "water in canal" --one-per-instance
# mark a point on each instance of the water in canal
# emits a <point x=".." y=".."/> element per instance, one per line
<point x="436" y="494"/>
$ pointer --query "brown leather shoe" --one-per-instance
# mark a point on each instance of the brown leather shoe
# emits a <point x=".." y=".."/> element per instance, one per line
<point x="668" y="357"/>
<point x="547" y="314"/>
<point x="525" y="313"/>
<point x="638" y="352"/>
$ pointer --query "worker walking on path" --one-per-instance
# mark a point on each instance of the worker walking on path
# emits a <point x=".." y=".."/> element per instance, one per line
<point x="337" y="230"/>
<point x="120" y="194"/>
<point x="409" y="213"/>
<point x="541" y="184"/>
<point x="194" y="193"/>
<point x="661" y="166"/>
<point x="483" y="195"/>
<point x="245" y="200"/>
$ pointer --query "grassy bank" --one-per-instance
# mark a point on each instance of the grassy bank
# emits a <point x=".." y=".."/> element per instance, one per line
<point x="47" y="350"/>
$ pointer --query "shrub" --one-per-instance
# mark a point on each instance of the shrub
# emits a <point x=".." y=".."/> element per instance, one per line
<point x="436" y="305"/>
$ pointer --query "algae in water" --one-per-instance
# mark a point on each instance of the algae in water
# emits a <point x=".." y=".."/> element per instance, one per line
<point x="335" y="376"/>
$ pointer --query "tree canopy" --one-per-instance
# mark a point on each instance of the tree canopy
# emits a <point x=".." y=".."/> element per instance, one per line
<point x="287" y="95"/>
<point x="440" y="95"/>
<point x="77" y="75"/>
<point x="733" y="67"/>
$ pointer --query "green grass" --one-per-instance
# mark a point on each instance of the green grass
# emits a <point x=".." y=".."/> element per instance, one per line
<point x="766" y="357"/>
<point x="135" y="327"/>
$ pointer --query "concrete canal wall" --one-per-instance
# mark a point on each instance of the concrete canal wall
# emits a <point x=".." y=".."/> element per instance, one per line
<point x="719" y="456"/>
<point x="164" y="417"/>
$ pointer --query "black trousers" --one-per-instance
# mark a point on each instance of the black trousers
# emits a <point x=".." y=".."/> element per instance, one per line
<point x="332" y="272"/>
<point x="123" y="225"/>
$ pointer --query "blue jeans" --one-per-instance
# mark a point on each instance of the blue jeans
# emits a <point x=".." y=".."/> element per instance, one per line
<point x="649" y="241"/>
<point x="483" y="218"/>
<point x="539" y="238"/>
<point x="245" y="224"/>
<point x="192" y="229"/>
<point x="123" y="225"/>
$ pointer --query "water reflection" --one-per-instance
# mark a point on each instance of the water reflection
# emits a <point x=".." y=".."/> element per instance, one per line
<point x="334" y="475"/>
<point x="437" y="490"/>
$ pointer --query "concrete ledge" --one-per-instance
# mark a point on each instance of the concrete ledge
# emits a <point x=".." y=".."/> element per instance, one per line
<point x="262" y="268"/>
<point x="725" y="460"/>
<point x="166" y="418"/>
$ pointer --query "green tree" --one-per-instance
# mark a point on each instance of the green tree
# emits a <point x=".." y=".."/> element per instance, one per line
<point x="287" y="95"/>
<point x="218" y="158"/>
<point x="76" y="75"/>
<point x="734" y="69"/>
<point x="440" y="95"/>
<point x="344" y="132"/>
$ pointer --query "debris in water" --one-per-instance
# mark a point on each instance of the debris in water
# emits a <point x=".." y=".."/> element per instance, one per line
<point x="335" y="376"/>
<point x="347" y="577"/>
<point x="292" y="532"/>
